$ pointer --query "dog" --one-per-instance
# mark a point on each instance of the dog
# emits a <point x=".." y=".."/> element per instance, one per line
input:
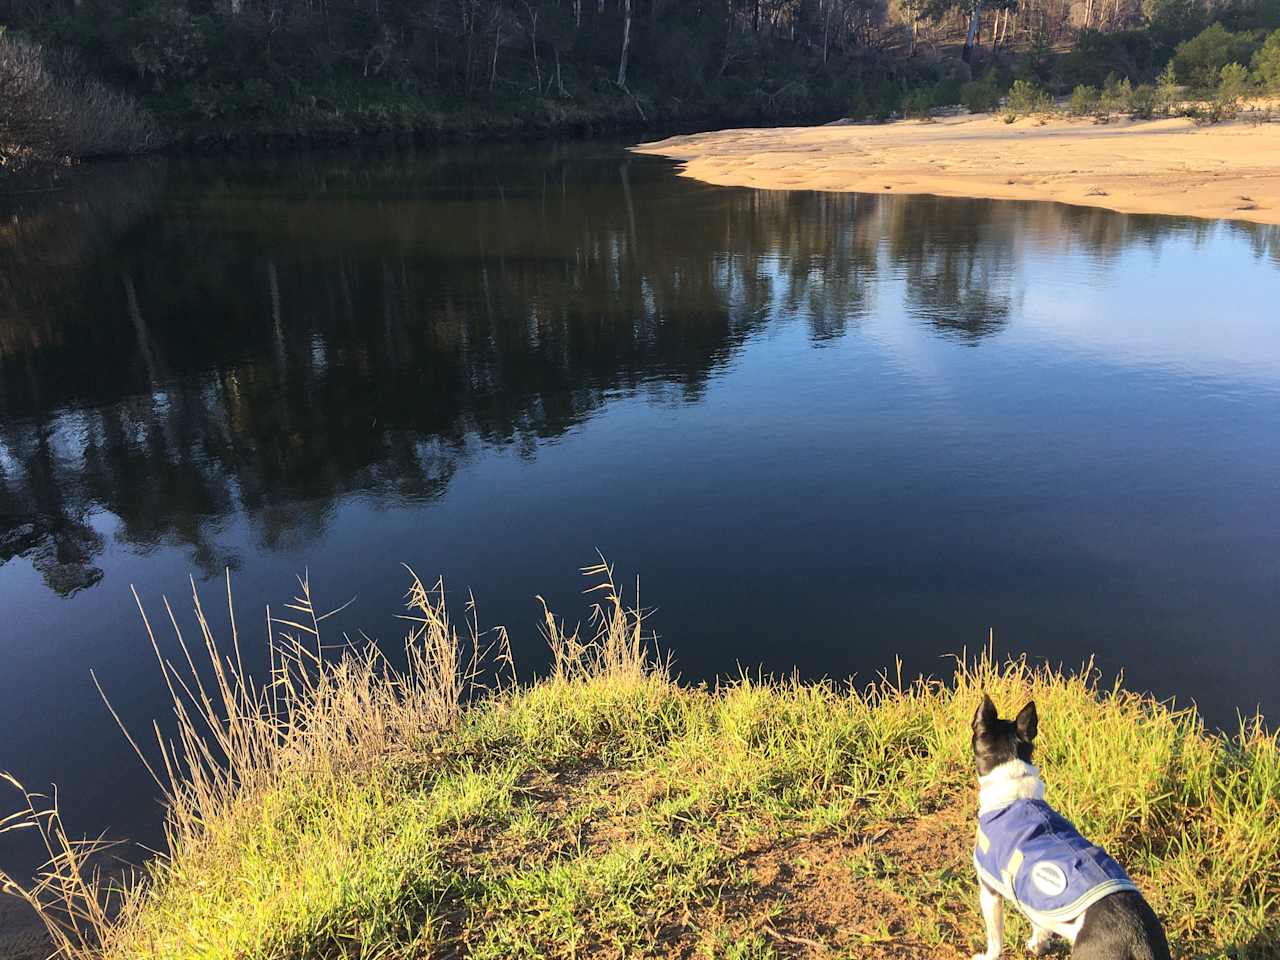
<point x="1028" y="853"/>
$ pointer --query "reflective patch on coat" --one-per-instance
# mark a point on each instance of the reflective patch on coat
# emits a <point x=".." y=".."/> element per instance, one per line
<point x="1049" y="878"/>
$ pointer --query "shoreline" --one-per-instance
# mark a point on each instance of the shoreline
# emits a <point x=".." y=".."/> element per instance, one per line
<point x="1170" y="167"/>
<point x="434" y="131"/>
<point x="605" y="809"/>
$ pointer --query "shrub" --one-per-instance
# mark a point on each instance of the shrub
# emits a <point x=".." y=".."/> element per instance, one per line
<point x="859" y="105"/>
<point x="947" y="92"/>
<point x="1168" y="91"/>
<point x="1225" y="104"/>
<point x="1233" y="84"/>
<point x="1116" y="94"/>
<point x="983" y="95"/>
<point x="1084" y="101"/>
<point x="918" y="103"/>
<point x="1143" y="102"/>
<point x="877" y="101"/>
<point x="53" y="109"/>
<point x="1266" y="63"/>
<point x="1026" y="98"/>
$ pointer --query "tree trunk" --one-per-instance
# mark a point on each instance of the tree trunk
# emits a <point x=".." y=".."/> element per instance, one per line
<point x="971" y="35"/>
<point x="493" y="70"/>
<point x="826" y="31"/>
<point x="533" y="41"/>
<point x="626" y="43"/>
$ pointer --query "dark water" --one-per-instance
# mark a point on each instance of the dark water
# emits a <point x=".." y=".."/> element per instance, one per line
<point x="826" y="430"/>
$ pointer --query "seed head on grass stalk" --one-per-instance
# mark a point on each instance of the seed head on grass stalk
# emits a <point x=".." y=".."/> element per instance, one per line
<point x="619" y="647"/>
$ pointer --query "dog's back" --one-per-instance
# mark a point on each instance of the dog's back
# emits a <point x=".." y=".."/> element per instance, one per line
<point x="1121" y="927"/>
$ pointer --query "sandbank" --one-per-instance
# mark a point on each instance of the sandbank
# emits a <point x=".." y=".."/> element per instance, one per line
<point x="1172" y="166"/>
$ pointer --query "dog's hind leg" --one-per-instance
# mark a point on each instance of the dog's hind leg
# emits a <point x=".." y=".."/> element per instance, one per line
<point x="993" y="914"/>
<point x="1038" y="945"/>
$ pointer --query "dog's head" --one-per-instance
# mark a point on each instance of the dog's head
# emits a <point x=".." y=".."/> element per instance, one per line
<point x="997" y="741"/>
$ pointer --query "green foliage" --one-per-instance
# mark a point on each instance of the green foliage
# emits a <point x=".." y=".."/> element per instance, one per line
<point x="982" y="95"/>
<point x="1266" y="63"/>
<point x="1084" y="101"/>
<point x="1240" y="15"/>
<point x="1174" y="18"/>
<point x="1168" y="90"/>
<point x="1036" y="65"/>
<point x="1226" y="101"/>
<point x="1199" y="61"/>
<point x="1143" y="102"/>
<point x="1026" y="98"/>
<point x="1095" y="55"/>
<point x="1116" y="93"/>
<point x="918" y="103"/>
<point x="877" y="101"/>
<point x="947" y="92"/>
<point x="1234" y="81"/>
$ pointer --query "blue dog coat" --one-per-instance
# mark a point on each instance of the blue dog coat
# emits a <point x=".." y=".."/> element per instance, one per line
<point x="1033" y="856"/>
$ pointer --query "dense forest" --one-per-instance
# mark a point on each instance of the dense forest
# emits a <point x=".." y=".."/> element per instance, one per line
<point x="218" y="70"/>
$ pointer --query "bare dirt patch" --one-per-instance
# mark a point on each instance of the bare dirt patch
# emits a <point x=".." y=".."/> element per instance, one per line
<point x="882" y="892"/>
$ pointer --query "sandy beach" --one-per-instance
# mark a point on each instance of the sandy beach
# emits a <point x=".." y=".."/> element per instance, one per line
<point x="1163" y="166"/>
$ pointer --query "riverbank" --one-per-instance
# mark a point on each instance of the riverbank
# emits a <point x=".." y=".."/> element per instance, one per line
<point x="341" y="117"/>
<point x="608" y="811"/>
<point x="1173" y="166"/>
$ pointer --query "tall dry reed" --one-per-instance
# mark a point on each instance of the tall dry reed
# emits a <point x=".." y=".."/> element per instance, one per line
<point x="322" y="713"/>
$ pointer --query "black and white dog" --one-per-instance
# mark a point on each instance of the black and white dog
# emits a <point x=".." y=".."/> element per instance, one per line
<point x="1027" y="853"/>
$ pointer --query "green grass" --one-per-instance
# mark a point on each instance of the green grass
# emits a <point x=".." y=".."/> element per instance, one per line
<point x="608" y="811"/>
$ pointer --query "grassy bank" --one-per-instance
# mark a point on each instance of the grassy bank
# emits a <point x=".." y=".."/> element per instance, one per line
<point x="348" y="810"/>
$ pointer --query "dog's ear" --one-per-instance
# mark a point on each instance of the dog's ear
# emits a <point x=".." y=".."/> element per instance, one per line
<point x="1027" y="722"/>
<point x="986" y="714"/>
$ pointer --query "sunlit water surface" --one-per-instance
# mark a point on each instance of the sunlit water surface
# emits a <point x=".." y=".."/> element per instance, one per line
<point x="827" y="431"/>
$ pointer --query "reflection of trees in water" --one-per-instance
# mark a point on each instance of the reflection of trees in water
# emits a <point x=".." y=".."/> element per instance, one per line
<point x="46" y="235"/>
<point x="959" y="258"/>
<point x="1264" y="239"/>
<point x="268" y="345"/>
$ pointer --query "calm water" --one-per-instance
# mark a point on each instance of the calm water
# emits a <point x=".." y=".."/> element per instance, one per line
<point x="826" y="430"/>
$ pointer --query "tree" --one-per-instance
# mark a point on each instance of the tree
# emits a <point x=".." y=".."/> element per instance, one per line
<point x="1168" y="90"/>
<point x="1266" y="63"/>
